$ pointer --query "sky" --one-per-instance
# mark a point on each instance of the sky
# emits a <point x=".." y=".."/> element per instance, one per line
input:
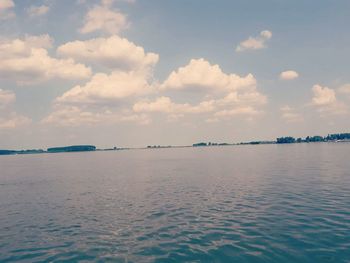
<point x="132" y="73"/>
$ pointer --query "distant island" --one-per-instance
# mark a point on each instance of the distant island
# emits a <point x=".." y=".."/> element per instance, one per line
<point x="338" y="137"/>
<point x="74" y="148"/>
<point x="11" y="152"/>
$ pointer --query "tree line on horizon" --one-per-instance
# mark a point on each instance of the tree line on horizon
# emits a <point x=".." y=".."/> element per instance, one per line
<point x="317" y="138"/>
<point x="284" y="140"/>
<point x="74" y="148"/>
<point x="281" y="140"/>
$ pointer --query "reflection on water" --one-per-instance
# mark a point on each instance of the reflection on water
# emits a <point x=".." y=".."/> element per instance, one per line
<point x="272" y="203"/>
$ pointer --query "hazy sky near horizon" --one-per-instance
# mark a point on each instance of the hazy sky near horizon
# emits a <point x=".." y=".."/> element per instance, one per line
<point x="142" y="72"/>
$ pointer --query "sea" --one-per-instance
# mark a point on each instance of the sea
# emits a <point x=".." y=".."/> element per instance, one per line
<point x="249" y="203"/>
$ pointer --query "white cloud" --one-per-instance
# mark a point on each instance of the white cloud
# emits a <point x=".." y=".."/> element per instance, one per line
<point x="290" y="115"/>
<point x="106" y="89"/>
<point x="107" y="2"/>
<point x="13" y="121"/>
<point x="27" y="61"/>
<point x="324" y="99"/>
<point x="64" y="115"/>
<point x="9" y="119"/>
<point x="242" y="99"/>
<point x="244" y="103"/>
<point x="6" y="98"/>
<point x="226" y="107"/>
<point x="165" y="105"/>
<point x="38" y="10"/>
<point x="70" y="116"/>
<point x="230" y="95"/>
<point x="200" y="75"/>
<point x="255" y="43"/>
<point x="323" y="96"/>
<point x="140" y="119"/>
<point x="6" y="7"/>
<point x="6" y="4"/>
<point x="110" y="2"/>
<point x="289" y="75"/>
<point x="225" y="95"/>
<point x="113" y="52"/>
<point x="244" y="110"/>
<point x="345" y="89"/>
<point x="104" y="18"/>
<point x="107" y="97"/>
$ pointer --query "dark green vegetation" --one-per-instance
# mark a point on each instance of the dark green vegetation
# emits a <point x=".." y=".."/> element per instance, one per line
<point x="10" y="152"/>
<point x="203" y="144"/>
<point x="317" y="138"/>
<point x="257" y="142"/>
<point x="76" y="148"/>
<point x="30" y="151"/>
<point x="200" y="144"/>
<point x="157" y="146"/>
<point x="285" y="140"/>
<point x="7" y="152"/>
<point x="338" y="137"/>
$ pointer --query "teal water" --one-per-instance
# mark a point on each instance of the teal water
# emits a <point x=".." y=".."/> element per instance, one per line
<point x="269" y="203"/>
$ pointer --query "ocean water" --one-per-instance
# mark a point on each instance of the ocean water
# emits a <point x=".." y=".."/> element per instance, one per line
<point x="267" y="203"/>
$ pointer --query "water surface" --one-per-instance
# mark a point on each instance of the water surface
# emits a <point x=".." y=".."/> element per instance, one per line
<point x="268" y="203"/>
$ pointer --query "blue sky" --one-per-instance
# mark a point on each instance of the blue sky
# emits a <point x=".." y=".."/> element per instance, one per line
<point x="133" y="73"/>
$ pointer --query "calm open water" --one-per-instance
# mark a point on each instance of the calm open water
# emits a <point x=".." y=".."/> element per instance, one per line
<point x="269" y="203"/>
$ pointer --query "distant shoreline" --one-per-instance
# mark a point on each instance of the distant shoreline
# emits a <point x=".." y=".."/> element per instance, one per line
<point x="332" y="138"/>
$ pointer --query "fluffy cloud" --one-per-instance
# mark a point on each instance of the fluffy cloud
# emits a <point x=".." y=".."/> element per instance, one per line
<point x="13" y="121"/>
<point x="9" y="119"/>
<point x="64" y="115"/>
<point x="323" y="96"/>
<point x="107" y="97"/>
<point x="345" y="89"/>
<point x="226" y="107"/>
<point x="27" y="61"/>
<point x="106" y="89"/>
<point x="110" y="2"/>
<point x="289" y="75"/>
<point x="70" y="116"/>
<point x="38" y="10"/>
<point x="324" y="99"/>
<point x="6" y="7"/>
<point x="244" y="103"/>
<point x="255" y="43"/>
<point x="247" y="110"/>
<point x="113" y="52"/>
<point x="6" y="4"/>
<point x="200" y="75"/>
<point x="165" y="105"/>
<point x="244" y="97"/>
<point x="291" y="115"/>
<point x="231" y="95"/>
<point x="123" y="95"/>
<point x="104" y="18"/>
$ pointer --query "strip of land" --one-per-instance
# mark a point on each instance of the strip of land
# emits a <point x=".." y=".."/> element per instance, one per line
<point x="340" y="137"/>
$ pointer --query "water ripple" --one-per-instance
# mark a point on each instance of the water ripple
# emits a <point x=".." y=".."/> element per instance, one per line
<point x="178" y="205"/>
